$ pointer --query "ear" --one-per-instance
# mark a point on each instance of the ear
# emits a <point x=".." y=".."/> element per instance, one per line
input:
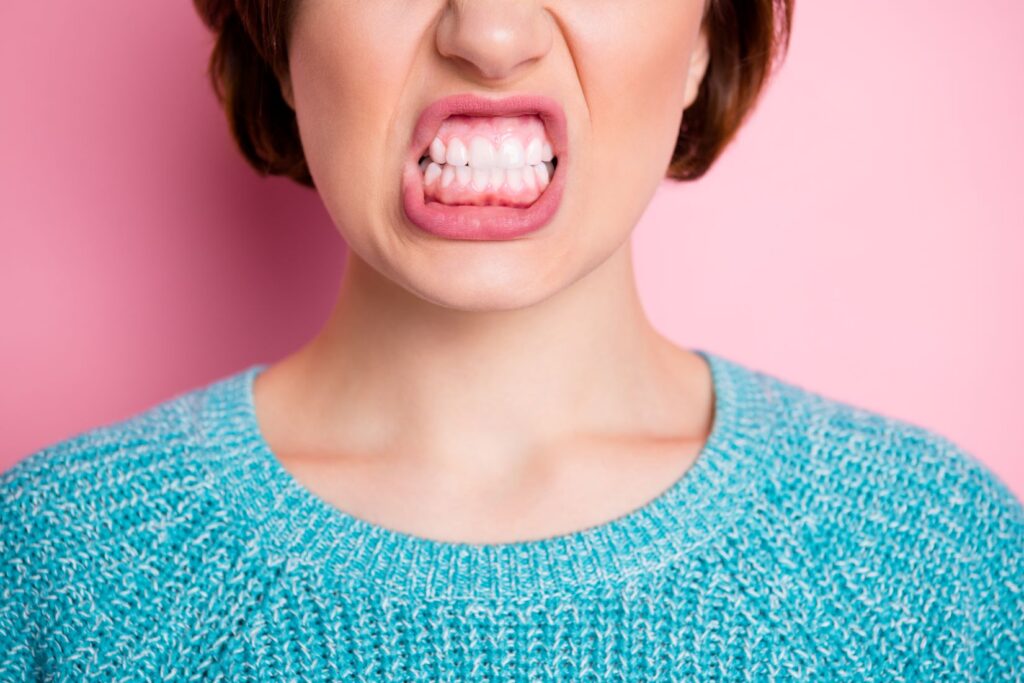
<point x="698" y="66"/>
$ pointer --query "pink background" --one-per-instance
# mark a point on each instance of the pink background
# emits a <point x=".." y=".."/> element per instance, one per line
<point x="862" y="237"/>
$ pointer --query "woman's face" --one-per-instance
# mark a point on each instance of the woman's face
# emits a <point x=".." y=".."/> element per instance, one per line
<point x="362" y="73"/>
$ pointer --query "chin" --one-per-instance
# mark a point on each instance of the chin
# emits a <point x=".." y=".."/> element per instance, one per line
<point x="489" y="287"/>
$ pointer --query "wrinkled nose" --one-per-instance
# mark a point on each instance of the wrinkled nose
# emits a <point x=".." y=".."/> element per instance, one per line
<point x="494" y="40"/>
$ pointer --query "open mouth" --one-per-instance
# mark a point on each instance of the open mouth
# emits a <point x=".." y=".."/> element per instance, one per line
<point x="488" y="161"/>
<point x="484" y="168"/>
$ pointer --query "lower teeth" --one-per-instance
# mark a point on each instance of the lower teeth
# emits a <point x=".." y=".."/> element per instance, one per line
<point x="464" y="185"/>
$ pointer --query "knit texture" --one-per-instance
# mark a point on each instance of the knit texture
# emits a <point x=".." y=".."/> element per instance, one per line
<point x="811" y="540"/>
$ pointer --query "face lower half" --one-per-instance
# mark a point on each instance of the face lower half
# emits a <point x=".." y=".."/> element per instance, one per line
<point x="486" y="154"/>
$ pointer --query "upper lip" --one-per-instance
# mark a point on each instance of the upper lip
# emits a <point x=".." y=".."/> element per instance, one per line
<point x="469" y="104"/>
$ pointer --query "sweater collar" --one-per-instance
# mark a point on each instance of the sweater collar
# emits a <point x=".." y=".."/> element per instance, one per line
<point x="288" y="520"/>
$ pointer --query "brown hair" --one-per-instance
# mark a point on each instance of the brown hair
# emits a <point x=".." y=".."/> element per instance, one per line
<point x="746" y="39"/>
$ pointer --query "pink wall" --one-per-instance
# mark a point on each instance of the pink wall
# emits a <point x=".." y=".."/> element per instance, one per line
<point x="863" y="236"/>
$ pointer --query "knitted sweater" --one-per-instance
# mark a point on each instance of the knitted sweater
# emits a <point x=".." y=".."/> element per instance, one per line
<point x="811" y="539"/>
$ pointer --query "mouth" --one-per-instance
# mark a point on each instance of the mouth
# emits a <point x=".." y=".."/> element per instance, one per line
<point x="482" y="168"/>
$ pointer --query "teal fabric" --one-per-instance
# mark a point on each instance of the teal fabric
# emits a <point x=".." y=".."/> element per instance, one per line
<point x="811" y="540"/>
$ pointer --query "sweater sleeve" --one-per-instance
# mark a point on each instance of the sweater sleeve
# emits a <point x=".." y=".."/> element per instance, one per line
<point x="992" y="563"/>
<point x="18" y="538"/>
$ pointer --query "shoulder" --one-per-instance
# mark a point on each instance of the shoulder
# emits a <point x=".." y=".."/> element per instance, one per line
<point x="69" y="485"/>
<point x="93" y="527"/>
<point x="904" y="535"/>
<point x="838" y="448"/>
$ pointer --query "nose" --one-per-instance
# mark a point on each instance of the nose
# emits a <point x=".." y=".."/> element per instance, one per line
<point x="494" y="40"/>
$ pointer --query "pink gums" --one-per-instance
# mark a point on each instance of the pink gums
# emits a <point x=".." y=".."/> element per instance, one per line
<point x="495" y="129"/>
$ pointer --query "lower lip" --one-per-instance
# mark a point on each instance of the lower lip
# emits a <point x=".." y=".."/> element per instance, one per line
<point x="478" y="222"/>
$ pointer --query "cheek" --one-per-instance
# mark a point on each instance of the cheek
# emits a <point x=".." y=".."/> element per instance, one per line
<point x="633" y="63"/>
<point x="349" y="62"/>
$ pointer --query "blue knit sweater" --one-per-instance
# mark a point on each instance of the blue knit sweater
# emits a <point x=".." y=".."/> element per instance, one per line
<point x="812" y="539"/>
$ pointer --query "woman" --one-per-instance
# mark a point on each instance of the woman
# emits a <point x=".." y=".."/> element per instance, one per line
<point x="488" y="464"/>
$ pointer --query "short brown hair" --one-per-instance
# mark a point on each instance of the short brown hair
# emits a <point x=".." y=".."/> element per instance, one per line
<point x="746" y="39"/>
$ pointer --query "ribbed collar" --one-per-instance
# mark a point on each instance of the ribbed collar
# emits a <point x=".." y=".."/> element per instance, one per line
<point x="287" y="519"/>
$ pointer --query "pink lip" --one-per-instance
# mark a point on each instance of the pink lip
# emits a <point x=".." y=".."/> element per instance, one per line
<point x="484" y="222"/>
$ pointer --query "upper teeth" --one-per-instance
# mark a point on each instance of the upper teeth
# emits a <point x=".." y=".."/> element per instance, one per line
<point x="481" y="153"/>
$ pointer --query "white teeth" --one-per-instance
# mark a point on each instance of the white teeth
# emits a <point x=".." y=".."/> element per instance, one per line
<point x="515" y="179"/>
<point x="437" y="151"/>
<point x="543" y="178"/>
<point x="480" y="178"/>
<point x="481" y="153"/>
<point x="512" y="154"/>
<point x="432" y="174"/>
<point x="456" y="154"/>
<point x="533" y="152"/>
<point x="529" y="180"/>
<point x="447" y="175"/>
<point x="497" y="177"/>
<point x="481" y="167"/>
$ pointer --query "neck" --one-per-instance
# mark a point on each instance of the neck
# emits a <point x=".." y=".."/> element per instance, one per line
<point x="392" y="372"/>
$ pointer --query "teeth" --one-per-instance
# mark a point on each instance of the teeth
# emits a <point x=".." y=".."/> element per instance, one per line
<point x="457" y="155"/>
<point x="432" y="174"/>
<point x="480" y="178"/>
<point x="533" y="152"/>
<point x="497" y="177"/>
<point x="515" y="179"/>
<point x="512" y="154"/>
<point x="481" y="166"/>
<point x="543" y="177"/>
<point x="481" y="153"/>
<point x="437" y="151"/>
<point x="529" y="180"/>
<point x="447" y="175"/>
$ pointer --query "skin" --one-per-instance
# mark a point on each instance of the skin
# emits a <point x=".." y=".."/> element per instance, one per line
<point x="489" y="391"/>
